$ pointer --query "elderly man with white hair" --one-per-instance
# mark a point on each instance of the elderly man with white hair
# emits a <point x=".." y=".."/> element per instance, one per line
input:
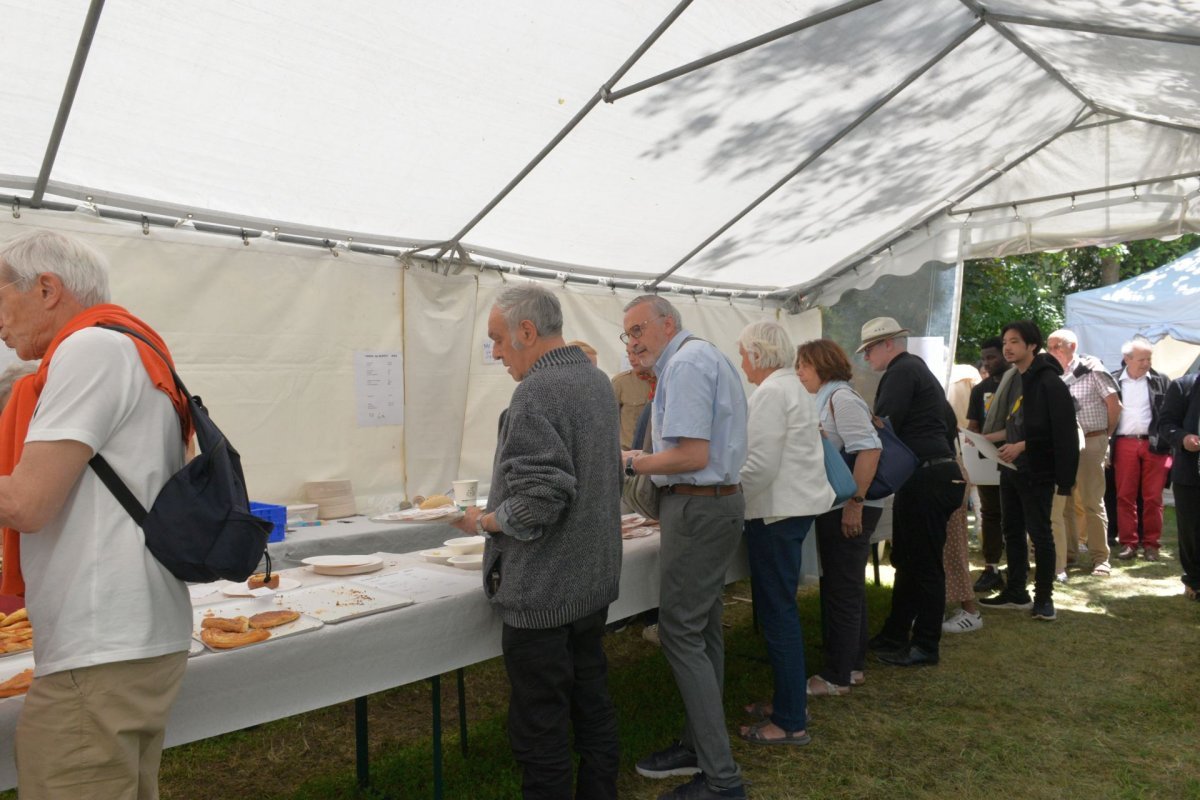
<point x="1097" y="409"/>
<point x="1140" y="459"/>
<point x="786" y="488"/>
<point x="93" y="721"/>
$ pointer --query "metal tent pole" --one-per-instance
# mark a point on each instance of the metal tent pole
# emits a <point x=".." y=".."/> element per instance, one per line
<point x="1091" y="27"/>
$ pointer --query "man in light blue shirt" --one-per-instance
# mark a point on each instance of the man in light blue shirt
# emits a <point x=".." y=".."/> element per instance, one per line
<point x="698" y="424"/>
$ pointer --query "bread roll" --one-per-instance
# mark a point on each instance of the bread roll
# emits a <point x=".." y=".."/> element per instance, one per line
<point x="223" y="640"/>
<point x="257" y="582"/>
<point x="437" y="501"/>
<point x="273" y="619"/>
<point x="18" y="684"/>
<point x="234" y="625"/>
<point x="16" y="616"/>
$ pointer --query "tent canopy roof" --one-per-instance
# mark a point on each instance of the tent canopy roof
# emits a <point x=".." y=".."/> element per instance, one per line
<point x="536" y="133"/>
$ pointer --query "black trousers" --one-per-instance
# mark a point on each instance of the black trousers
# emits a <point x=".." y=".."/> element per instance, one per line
<point x="919" y="515"/>
<point x="1187" y="520"/>
<point x="844" y="593"/>
<point x="992" y="527"/>
<point x="559" y="680"/>
<point x="1025" y="508"/>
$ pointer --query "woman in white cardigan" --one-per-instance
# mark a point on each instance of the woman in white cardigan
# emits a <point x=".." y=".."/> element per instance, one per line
<point x="785" y="487"/>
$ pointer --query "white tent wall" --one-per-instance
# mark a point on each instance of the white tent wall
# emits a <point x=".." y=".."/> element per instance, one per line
<point x="266" y="334"/>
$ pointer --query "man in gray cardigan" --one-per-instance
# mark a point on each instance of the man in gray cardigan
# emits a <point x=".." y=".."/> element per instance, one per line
<point x="552" y="563"/>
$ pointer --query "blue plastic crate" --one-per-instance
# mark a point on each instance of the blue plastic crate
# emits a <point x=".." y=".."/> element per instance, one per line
<point x="276" y="515"/>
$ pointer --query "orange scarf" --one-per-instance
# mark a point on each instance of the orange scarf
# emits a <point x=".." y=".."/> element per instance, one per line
<point x="14" y="423"/>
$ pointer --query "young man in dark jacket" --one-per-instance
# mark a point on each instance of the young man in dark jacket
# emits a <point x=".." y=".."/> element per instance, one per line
<point x="1179" y="427"/>
<point x="1042" y="442"/>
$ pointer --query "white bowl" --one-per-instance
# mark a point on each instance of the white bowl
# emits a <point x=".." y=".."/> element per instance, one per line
<point x="472" y="561"/>
<point x="465" y="545"/>
<point x="437" y="556"/>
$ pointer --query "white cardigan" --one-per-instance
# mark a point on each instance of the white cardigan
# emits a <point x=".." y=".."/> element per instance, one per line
<point x="784" y="474"/>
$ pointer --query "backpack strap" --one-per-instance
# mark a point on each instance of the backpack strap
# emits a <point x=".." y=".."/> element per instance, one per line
<point x="105" y="472"/>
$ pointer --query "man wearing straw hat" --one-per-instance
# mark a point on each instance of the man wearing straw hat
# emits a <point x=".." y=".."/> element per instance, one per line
<point x="911" y="397"/>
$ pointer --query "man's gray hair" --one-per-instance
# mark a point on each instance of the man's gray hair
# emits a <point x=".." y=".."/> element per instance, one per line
<point x="82" y="269"/>
<point x="532" y="302"/>
<point x="1137" y="343"/>
<point x="767" y="345"/>
<point x="11" y="375"/>
<point x="1065" y="335"/>
<point x="661" y="306"/>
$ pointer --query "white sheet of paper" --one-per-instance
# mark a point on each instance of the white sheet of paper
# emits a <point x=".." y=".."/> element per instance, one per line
<point x="379" y="388"/>
<point x="983" y="446"/>
<point x="423" y="584"/>
<point x="488" y="358"/>
<point x="980" y="471"/>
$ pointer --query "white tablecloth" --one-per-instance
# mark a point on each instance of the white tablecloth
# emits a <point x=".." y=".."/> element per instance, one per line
<point x="359" y="536"/>
<point x="228" y="691"/>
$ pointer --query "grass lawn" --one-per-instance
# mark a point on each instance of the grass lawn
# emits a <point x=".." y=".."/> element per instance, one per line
<point x="1102" y="703"/>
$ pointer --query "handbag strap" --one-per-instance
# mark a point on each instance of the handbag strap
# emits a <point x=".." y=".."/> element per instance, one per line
<point x="109" y="477"/>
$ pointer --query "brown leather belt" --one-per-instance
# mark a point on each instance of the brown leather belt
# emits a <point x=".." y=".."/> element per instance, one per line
<point x="1090" y="434"/>
<point x="1141" y="436"/>
<point x="713" y="490"/>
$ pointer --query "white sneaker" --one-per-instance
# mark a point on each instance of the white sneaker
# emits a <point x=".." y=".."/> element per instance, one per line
<point x="963" y="622"/>
<point x="650" y="634"/>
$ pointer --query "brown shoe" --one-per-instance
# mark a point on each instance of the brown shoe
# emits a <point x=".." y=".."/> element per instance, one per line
<point x="1150" y="553"/>
<point x="1127" y="553"/>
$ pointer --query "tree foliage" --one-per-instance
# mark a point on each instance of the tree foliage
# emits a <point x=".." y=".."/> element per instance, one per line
<point x="997" y="291"/>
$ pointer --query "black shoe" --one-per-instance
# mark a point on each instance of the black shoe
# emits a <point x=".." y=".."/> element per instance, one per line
<point x="675" y="760"/>
<point x="698" y="789"/>
<point x="883" y="644"/>
<point x="913" y="656"/>
<point x="990" y="580"/>
<point x="1044" y="609"/>
<point x="1007" y="599"/>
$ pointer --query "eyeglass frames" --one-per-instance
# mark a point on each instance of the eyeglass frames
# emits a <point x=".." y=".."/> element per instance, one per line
<point x="636" y="331"/>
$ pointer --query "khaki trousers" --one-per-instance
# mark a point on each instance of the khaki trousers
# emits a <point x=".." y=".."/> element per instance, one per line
<point x="1081" y="518"/>
<point x="96" y="733"/>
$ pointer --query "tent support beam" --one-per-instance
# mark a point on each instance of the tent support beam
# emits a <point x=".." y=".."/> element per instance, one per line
<point x="1128" y="117"/>
<point x="986" y="16"/>
<point x="1075" y="124"/>
<point x="1105" y="30"/>
<point x="738" y="49"/>
<point x="600" y="94"/>
<point x="68" y="100"/>
<point x="1112" y="187"/>
<point x="820" y="151"/>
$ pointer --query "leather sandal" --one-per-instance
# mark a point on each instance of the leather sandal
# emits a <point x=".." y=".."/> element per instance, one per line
<point x="819" y="687"/>
<point x="754" y="735"/>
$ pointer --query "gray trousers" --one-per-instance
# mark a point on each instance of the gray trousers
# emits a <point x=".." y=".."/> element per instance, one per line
<point x="699" y="538"/>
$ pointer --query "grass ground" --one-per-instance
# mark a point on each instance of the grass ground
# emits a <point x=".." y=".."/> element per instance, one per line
<point x="1102" y="703"/>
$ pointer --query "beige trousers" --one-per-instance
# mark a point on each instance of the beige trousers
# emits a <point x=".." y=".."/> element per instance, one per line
<point x="1081" y="517"/>
<point x="96" y="733"/>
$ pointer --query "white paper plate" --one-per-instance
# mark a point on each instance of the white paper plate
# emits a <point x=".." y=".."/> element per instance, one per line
<point x="344" y="565"/>
<point x="439" y="555"/>
<point x="243" y="589"/>
<point x="472" y="561"/>
<point x="195" y="647"/>
<point x="199" y="590"/>
<point x="439" y="514"/>
<point x="339" y="601"/>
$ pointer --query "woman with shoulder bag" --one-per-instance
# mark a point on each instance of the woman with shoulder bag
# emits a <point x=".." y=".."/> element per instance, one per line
<point x="844" y="532"/>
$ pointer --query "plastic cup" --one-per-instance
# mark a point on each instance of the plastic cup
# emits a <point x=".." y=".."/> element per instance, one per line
<point x="465" y="493"/>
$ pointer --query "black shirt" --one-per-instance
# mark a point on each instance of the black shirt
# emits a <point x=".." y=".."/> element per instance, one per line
<point x="981" y="396"/>
<point x="913" y="400"/>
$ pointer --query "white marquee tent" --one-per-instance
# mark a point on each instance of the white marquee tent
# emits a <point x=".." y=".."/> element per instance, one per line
<point x="306" y="180"/>
<point x="1162" y="305"/>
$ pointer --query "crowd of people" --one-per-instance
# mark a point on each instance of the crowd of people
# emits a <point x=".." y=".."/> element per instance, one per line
<point x="727" y="468"/>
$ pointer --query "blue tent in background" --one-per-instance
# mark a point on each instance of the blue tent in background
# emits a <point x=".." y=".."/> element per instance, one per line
<point x="1161" y="303"/>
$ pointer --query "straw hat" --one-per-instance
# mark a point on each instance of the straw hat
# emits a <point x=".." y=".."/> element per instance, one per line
<point x="878" y="329"/>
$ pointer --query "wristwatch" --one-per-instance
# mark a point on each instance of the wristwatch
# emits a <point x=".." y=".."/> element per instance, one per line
<point x="629" y="471"/>
<point x="479" y="529"/>
<point x="858" y="498"/>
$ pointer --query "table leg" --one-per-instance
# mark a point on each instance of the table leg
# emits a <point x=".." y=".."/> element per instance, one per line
<point x="436" y="682"/>
<point x="362" y="763"/>
<point x="462" y="709"/>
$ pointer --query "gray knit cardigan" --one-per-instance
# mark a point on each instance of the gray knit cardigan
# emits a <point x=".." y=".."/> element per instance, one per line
<point x="558" y="464"/>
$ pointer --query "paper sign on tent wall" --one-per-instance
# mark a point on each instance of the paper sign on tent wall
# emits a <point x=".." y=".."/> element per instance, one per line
<point x="379" y="388"/>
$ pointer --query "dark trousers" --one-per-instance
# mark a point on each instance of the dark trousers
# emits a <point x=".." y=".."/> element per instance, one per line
<point x="559" y="680"/>
<point x="844" y="593"/>
<point x="1025" y="507"/>
<point x="1187" y="521"/>
<point x="919" y="515"/>
<point x="992" y="527"/>
<point x="775" y="560"/>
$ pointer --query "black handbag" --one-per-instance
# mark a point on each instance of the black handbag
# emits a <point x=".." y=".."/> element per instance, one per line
<point x="200" y="526"/>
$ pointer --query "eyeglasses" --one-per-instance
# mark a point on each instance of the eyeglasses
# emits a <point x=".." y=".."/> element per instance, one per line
<point x="637" y="331"/>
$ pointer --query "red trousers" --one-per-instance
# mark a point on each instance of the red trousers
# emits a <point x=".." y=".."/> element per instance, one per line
<point x="1136" y="468"/>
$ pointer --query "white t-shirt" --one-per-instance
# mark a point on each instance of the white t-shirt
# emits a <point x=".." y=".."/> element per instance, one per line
<point x="1135" y="401"/>
<point x="95" y="593"/>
